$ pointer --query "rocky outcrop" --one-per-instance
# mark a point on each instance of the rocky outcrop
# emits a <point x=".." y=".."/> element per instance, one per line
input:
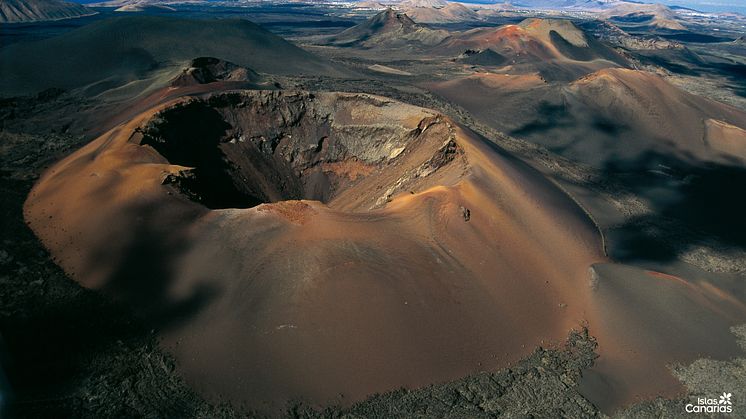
<point x="257" y="147"/>
<point x="615" y="36"/>
<point x="205" y="70"/>
<point x="486" y="57"/>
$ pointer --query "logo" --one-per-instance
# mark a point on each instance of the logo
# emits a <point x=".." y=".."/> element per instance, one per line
<point x="723" y="404"/>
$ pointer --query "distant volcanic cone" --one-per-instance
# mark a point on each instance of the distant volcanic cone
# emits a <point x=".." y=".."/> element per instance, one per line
<point x="386" y="28"/>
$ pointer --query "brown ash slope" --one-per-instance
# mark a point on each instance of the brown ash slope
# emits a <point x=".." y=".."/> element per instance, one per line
<point x="555" y="48"/>
<point x="373" y="237"/>
<point x="365" y="247"/>
<point x="384" y="242"/>
<point x="610" y="118"/>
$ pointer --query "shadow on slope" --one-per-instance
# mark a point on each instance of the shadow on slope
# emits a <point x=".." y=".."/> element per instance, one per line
<point x="691" y="204"/>
<point x="68" y="351"/>
<point x="122" y="49"/>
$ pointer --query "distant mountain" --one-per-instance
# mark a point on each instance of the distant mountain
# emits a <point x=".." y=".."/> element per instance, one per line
<point x="533" y="38"/>
<point x="141" y="5"/>
<point x="553" y="4"/>
<point x="424" y="11"/>
<point x="16" y="11"/>
<point x="388" y="28"/>
<point x="371" y="4"/>
<point x="554" y="48"/>
<point x="653" y="15"/>
<point x="423" y="3"/>
<point x="385" y="23"/>
<point x="451" y="12"/>
<point x="623" y="11"/>
<point x="145" y="6"/>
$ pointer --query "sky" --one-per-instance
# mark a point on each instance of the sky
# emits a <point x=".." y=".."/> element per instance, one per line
<point x="702" y="5"/>
<point x="709" y="5"/>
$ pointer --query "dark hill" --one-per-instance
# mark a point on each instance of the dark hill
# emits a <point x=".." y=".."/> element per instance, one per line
<point x="16" y="11"/>
<point x="485" y="57"/>
<point x="118" y="50"/>
<point x="388" y="29"/>
<point x="205" y="70"/>
<point x="386" y="22"/>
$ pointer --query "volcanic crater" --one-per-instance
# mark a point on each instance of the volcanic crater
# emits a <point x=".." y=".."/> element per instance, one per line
<point x="245" y="149"/>
<point x="290" y="245"/>
<point x="321" y="247"/>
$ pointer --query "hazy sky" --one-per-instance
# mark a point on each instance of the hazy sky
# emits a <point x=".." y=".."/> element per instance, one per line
<point x="709" y="5"/>
<point x="703" y="5"/>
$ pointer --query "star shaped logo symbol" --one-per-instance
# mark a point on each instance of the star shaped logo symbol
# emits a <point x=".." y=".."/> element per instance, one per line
<point x="725" y="398"/>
